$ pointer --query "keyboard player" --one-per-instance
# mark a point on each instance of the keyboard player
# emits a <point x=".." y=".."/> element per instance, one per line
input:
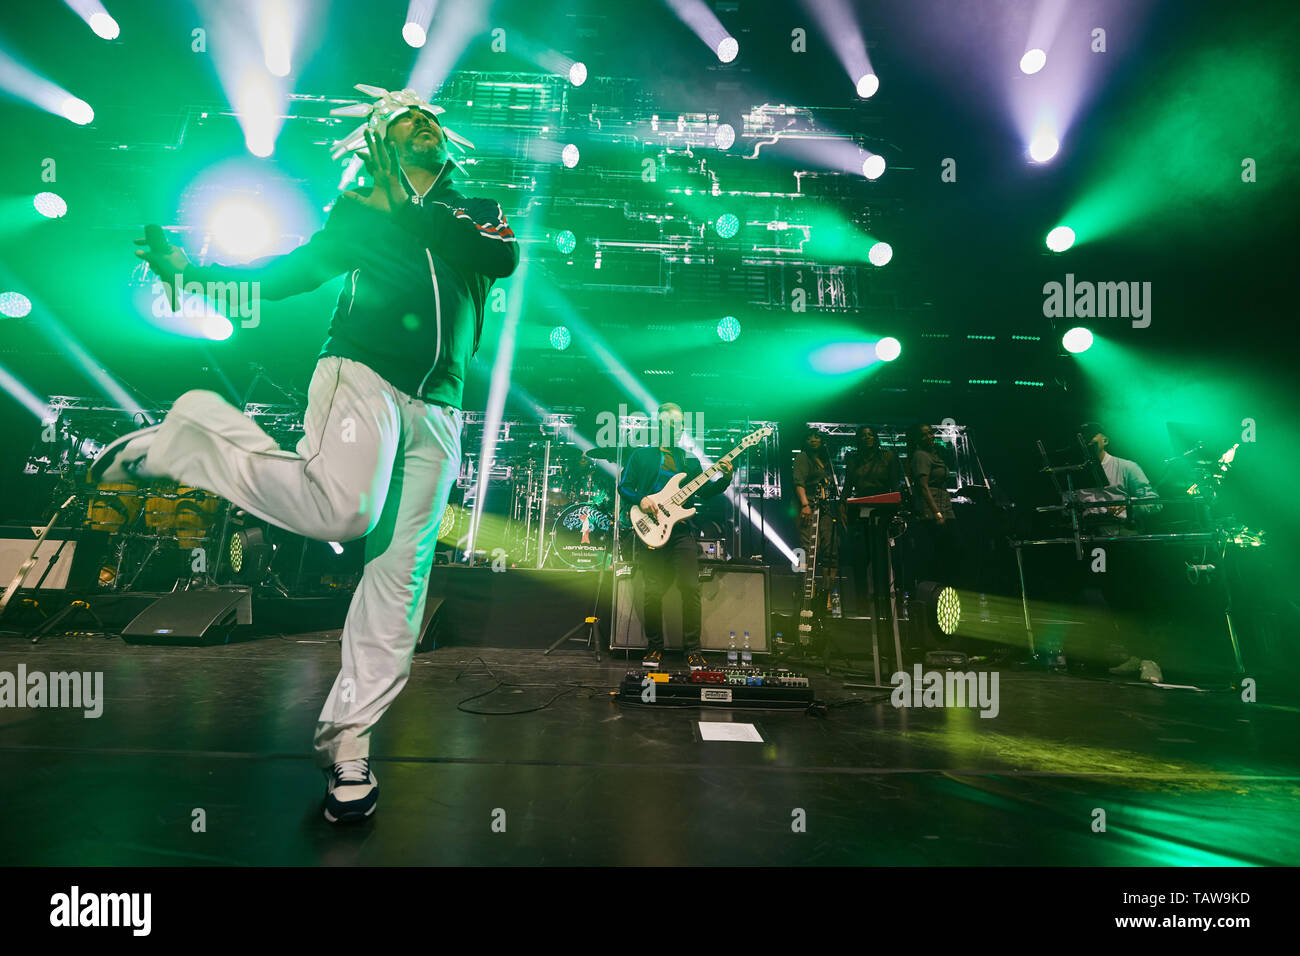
<point x="870" y="470"/>
<point x="1124" y="478"/>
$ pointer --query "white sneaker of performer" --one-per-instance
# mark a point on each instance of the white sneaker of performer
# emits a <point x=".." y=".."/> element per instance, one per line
<point x="372" y="461"/>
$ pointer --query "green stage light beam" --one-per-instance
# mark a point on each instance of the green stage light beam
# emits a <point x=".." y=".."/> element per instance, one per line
<point x="1177" y="155"/>
<point x="23" y="395"/>
<point x="53" y="329"/>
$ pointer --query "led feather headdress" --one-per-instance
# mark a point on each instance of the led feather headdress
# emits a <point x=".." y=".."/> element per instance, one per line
<point x="387" y="107"/>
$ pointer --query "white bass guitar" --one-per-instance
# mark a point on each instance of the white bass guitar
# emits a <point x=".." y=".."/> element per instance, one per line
<point x="656" y="530"/>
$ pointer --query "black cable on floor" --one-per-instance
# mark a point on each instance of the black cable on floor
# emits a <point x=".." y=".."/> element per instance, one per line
<point x="570" y="687"/>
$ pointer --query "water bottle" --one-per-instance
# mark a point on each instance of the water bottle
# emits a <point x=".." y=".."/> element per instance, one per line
<point x="835" y="603"/>
<point x="984" y="609"/>
<point x="746" y="656"/>
<point x="731" y="652"/>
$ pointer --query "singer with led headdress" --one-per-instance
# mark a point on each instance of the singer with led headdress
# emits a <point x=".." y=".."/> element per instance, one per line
<point x="382" y="433"/>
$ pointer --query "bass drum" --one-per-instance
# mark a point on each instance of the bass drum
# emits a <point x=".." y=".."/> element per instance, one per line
<point x="581" y="537"/>
<point x="454" y="526"/>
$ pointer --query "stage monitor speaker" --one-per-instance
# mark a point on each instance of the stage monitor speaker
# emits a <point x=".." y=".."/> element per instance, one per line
<point x="199" y="616"/>
<point x="431" y="624"/>
<point x="733" y="597"/>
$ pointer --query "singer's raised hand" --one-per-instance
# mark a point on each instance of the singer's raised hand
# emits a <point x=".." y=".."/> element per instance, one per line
<point x="166" y="266"/>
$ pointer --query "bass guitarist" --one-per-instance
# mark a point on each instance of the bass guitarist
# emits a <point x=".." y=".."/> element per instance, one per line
<point x="647" y="470"/>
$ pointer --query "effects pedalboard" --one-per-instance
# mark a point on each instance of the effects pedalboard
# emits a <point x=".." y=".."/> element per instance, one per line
<point x="729" y="687"/>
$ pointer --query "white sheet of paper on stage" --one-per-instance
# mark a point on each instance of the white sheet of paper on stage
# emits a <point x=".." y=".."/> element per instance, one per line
<point x="725" y="730"/>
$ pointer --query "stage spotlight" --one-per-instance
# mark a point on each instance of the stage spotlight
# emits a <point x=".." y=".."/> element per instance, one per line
<point x="727" y="49"/>
<point x="880" y="253"/>
<point x="50" y="205"/>
<point x="1060" y="238"/>
<point x="566" y="241"/>
<point x="249" y="555"/>
<point x="276" y="32"/>
<point x="1043" y="147"/>
<point x="1032" y="62"/>
<point x="77" y="110"/>
<point x="728" y="328"/>
<point x="241" y="228"/>
<point x="259" y="109"/>
<point x="727" y="225"/>
<point x="104" y="26"/>
<point x="414" y="35"/>
<point x="868" y="83"/>
<point x="216" y="327"/>
<point x="941" y="608"/>
<point x="570" y="155"/>
<point x="873" y="167"/>
<point x="15" y="305"/>
<point x="724" y="136"/>
<point x="1077" y="340"/>
<point x="561" y="338"/>
<point x="888" y="349"/>
<point x="578" y="74"/>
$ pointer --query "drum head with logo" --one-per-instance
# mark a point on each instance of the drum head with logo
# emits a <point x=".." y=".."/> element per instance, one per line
<point x="581" y="536"/>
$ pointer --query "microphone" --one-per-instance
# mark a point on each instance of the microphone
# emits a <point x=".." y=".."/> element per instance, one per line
<point x="153" y="235"/>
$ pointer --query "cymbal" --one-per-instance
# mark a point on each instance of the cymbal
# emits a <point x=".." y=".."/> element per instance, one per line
<point x="603" y="454"/>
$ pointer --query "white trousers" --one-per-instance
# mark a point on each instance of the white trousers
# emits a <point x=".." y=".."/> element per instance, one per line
<point x="372" y="461"/>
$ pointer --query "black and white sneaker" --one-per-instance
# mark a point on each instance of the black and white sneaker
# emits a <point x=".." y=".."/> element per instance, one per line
<point x="653" y="657"/>
<point x="696" y="660"/>
<point x="353" y="791"/>
<point x="122" y="459"/>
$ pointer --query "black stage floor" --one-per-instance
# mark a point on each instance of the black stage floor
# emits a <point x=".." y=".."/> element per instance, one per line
<point x="1184" y="778"/>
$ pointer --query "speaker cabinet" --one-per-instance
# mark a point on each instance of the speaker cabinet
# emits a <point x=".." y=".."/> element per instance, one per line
<point x="733" y="597"/>
<point x="200" y="616"/>
<point x="522" y="607"/>
<point x="66" y="559"/>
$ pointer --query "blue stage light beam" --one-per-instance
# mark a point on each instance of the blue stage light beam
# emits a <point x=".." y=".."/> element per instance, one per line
<point x="704" y="24"/>
<point x="97" y="18"/>
<point x="21" y="82"/>
<point x="839" y="25"/>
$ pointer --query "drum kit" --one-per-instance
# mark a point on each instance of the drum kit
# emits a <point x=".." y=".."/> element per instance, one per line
<point x="157" y="525"/>
<point x="165" y="516"/>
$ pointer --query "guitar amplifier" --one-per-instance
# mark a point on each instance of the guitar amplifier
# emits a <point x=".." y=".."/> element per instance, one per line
<point x="733" y="597"/>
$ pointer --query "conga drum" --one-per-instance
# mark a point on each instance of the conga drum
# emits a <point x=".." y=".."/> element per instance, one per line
<point x="113" y="507"/>
<point x="187" y="514"/>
